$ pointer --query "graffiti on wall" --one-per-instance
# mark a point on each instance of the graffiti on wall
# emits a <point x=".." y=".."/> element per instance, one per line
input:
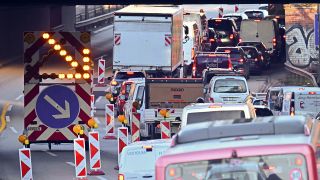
<point x="301" y="50"/>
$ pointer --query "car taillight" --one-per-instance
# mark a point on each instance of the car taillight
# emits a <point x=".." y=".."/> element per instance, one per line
<point x="240" y="60"/>
<point x="274" y="41"/>
<point x="231" y="36"/>
<point x="194" y="68"/>
<point x="192" y="53"/>
<point x="261" y="57"/>
<point x="255" y="59"/>
<point x="240" y="40"/>
<point x="120" y="177"/>
<point x="229" y="64"/>
<point x="211" y="40"/>
<point x="211" y="99"/>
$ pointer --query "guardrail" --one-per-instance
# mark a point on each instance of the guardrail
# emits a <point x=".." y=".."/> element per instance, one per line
<point x="100" y="16"/>
<point x="301" y="72"/>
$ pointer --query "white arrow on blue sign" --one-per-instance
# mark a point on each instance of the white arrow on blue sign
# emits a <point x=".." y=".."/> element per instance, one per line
<point x="57" y="106"/>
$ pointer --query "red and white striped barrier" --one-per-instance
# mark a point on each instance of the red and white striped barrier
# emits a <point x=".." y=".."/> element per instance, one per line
<point x="165" y="129"/>
<point x="167" y="39"/>
<point x="220" y="12"/>
<point x="110" y="126"/>
<point x="25" y="164"/>
<point x="122" y="140"/>
<point x="92" y="105"/>
<point x="135" y="127"/>
<point x="117" y="39"/>
<point x="236" y="8"/>
<point x="94" y="154"/>
<point x="80" y="158"/>
<point x="101" y="71"/>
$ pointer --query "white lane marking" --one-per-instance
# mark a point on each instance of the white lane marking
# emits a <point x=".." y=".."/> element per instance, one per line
<point x="101" y="178"/>
<point x="8" y="118"/>
<point x="99" y="98"/>
<point x="70" y="163"/>
<point x="14" y="130"/>
<point x="10" y="107"/>
<point x="19" y="97"/>
<point x="50" y="153"/>
<point x="97" y="119"/>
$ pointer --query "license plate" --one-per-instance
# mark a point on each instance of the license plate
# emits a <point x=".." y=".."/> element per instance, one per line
<point x="213" y="65"/>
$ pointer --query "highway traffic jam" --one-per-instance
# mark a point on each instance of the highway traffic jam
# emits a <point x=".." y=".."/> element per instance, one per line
<point x="179" y="101"/>
<point x="191" y="71"/>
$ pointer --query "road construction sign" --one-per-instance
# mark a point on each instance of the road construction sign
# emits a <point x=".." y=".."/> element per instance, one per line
<point x="57" y="110"/>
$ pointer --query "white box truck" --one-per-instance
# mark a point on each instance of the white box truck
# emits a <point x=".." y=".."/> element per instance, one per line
<point x="149" y="38"/>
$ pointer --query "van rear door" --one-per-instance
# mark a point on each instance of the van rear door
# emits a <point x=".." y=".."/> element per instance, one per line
<point x="307" y="103"/>
<point x="266" y="32"/>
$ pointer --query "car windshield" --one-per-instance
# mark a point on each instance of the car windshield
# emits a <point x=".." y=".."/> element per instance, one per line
<point x="198" y="117"/>
<point x="254" y="14"/>
<point x="230" y="86"/>
<point x="263" y="167"/>
<point x="220" y="25"/>
<point x="127" y="75"/>
<point x="250" y="52"/>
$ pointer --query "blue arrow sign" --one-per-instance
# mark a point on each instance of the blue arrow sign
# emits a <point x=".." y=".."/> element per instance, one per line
<point x="57" y="106"/>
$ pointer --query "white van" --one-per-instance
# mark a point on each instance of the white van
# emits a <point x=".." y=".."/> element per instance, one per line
<point x="138" y="159"/>
<point x="227" y="89"/>
<point x="265" y="31"/>
<point x="203" y="112"/>
<point x="298" y="100"/>
<point x="190" y="44"/>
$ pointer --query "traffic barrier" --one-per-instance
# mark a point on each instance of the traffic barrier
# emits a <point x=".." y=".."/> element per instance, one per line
<point x="80" y="158"/>
<point x="135" y="127"/>
<point x="236" y="8"/>
<point x="101" y="71"/>
<point x="220" y="12"/>
<point x="25" y="164"/>
<point x="110" y="126"/>
<point x="122" y="140"/>
<point x="165" y="129"/>
<point x="94" y="154"/>
<point x="92" y="105"/>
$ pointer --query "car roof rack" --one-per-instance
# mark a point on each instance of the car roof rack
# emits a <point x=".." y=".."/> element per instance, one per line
<point x="243" y="127"/>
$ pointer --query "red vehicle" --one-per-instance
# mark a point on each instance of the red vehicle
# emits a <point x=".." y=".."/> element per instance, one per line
<point x="124" y="93"/>
<point x="268" y="148"/>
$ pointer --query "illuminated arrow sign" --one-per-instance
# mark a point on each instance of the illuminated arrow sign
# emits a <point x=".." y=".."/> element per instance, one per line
<point x="57" y="106"/>
<point x="65" y="113"/>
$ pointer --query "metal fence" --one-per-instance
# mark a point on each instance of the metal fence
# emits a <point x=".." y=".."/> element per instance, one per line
<point x="96" y="11"/>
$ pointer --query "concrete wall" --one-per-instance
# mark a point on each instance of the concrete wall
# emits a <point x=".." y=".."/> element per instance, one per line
<point x="300" y="49"/>
<point x="15" y="20"/>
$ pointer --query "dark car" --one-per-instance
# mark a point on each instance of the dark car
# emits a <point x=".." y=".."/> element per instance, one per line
<point x="219" y="62"/>
<point x="255" y="59"/>
<point x="238" y="58"/>
<point x="120" y="77"/>
<point x="226" y="30"/>
<point x="261" y="48"/>
<point x="210" y="42"/>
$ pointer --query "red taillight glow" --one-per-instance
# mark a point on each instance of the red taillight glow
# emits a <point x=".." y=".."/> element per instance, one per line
<point x="274" y="41"/>
<point x="240" y="40"/>
<point x="192" y="53"/>
<point x="218" y="20"/>
<point x="211" y="40"/>
<point x="172" y="172"/>
<point x="120" y="177"/>
<point x="240" y="60"/>
<point x="130" y="73"/>
<point x="230" y="65"/>
<point x="284" y="36"/>
<point x="231" y="36"/>
<point x="227" y="51"/>
<point x="312" y="93"/>
<point x="257" y="20"/>
<point x="211" y="99"/>
<point x="298" y="161"/>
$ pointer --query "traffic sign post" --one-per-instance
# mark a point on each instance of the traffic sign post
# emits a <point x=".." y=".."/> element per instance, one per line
<point x="51" y="112"/>
<point x="135" y="127"/>
<point x="94" y="154"/>
<point x="92" y="105"/>
<point x="80" y="158"/>
<point x="122" y="141"/>
<point x="165" y="129"/>
<point x="110" y="126"/>
<point x="101" y="71"/>
<point x="25" y="164"/>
